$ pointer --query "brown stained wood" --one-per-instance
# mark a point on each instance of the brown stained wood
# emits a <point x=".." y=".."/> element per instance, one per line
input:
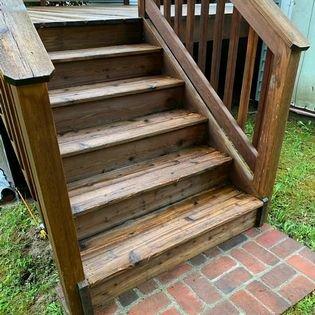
<point x="178" y="15"/>
<point x="271" y="24"/>
<point x="113" y="89"/>
<point x="36" y="121"/>
<point x="202" y="50"/>
<point x="240" y="173"/>
<point x="156" y="242"/>
<point x="247" y="77"/>
<point x="273" y="123"/>
<point x="102" y="52"/>
<point x="232" y="58"/>
<point x="73" y="73"/>
<point x="117" y="133"/>
<point x="262" y="98"/>
<point x="110" y="199"/>
<point x="190" y="24"/>
<point x="217" y="44"/>
<point x="167" y="10"/>
<point x="129" y="106"/>
<point x="23" y="58"/>
<point x="91" y="36"/>
<point x="158" y="3"/>
<point x="141" y="8"/>
<point x="107" y="159"/>
<point x="203" y="87"/>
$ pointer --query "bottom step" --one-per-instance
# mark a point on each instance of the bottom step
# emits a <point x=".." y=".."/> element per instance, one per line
<point x="120" y="259"/>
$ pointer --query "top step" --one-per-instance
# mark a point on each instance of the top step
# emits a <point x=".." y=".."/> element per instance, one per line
<point x="91" y="35"/>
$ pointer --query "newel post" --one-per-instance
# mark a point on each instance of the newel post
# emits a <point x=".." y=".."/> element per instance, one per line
<point x="35" y="118"/>
<point x="274" y="117"/>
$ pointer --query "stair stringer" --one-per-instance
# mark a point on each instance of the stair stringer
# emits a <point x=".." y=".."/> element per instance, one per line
<point x="241" y="175"/>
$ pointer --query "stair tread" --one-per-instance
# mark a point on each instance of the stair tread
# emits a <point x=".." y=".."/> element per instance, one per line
<point x="98" y="91"/>
<point x="110" y="253"/>
<point x="102" y="52"/>
<point x="72" y="143"/>
<point x="94" y="192"/>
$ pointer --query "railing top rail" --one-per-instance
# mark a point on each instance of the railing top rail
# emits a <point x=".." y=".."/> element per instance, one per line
<point x="264" y="16"/>
<point x="23" y="57"/>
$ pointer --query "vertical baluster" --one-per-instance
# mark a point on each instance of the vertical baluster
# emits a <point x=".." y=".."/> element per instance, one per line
<point x="247" y="77"/>
<point x="167" y="10"/>
<point x="232" y="58"/>
<point x="158" y="3"/>
<point x="202" y="52"/>
<point x="217" y="44"/>
<point x="190" y="24"/>
<point x="141" y="8"/>
<point x="263" y="98"/>
<point x="178" y="15"/>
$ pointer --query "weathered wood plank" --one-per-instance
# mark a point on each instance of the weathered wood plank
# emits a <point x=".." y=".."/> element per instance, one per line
<point x="23" y="58"/>
<point x="202" y="51"/>
<point x="247" y="77"/>
<point x="190" y="24"/>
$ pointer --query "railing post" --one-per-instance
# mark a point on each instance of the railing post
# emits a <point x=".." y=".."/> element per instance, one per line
<point x="275" y="113"/>
<point x="39" y="136"/>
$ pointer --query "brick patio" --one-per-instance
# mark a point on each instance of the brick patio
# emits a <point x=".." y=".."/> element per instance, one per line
<point x="262" y="271"/>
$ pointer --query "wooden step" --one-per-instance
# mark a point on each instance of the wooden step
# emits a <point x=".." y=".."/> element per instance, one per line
<point x="91" y="105"/>
<point x="91" y="34"/>
<point x="79" y="67"/>
<point x="122" y="258"/>
<point x="100" y="149"/>
<point x="102" y="52"/>
<point x="103" y="201"/>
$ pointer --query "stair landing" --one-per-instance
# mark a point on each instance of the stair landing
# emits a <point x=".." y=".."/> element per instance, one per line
<point x="261" y="271"/>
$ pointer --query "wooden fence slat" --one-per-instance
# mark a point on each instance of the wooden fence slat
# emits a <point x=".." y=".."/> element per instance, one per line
<point x="232" y="58"/>
<point x="202" y="51"/>
<point x="263" y="98"/>
<point x="178" y="15"/>
<point x="217" y="44"/>
<point x="158" y="3"/>
<point x="247" y="77"/>
<point x="190" y="24"/>
<point x="167" y="10"/>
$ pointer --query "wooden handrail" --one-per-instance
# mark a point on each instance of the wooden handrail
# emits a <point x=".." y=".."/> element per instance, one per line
<point x="271" y="24"/>
<point x="23" y="57"/>
<point x="201" y="84"/>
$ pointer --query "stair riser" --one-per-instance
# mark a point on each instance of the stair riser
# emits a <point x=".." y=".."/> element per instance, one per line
<point x="108" y="216"/>
<point x="102" y="293"/>
<point x="75" y="73"/>
<point x="95" y="113"/>
<point x="90" y="36"/>
<point x="103" y="160"/>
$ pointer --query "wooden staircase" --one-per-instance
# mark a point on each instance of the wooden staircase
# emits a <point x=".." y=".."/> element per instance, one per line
<point x="136" y="161"/>
<point x="146" y="189"/>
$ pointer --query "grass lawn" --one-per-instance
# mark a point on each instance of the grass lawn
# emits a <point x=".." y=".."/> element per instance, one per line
<point x="27" y="273"/>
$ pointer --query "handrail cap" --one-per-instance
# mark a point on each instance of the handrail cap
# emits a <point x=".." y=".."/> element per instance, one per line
<point x="271" y="16"/>
<point x="23" y="57"/>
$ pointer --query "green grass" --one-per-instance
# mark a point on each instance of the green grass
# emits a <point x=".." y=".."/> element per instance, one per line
<point x="27" y="274"/>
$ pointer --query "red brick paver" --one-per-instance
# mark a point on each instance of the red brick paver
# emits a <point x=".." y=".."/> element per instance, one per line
<point x="262" y="271"/>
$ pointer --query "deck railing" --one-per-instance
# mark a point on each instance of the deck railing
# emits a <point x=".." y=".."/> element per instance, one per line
<point x="25" y="67"/>
<point x="263" y="21"/>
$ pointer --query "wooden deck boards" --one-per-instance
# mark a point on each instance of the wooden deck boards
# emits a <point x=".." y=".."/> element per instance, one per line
<point x="95" y="13"/>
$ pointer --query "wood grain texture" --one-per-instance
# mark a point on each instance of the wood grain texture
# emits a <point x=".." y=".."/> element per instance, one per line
<point x="202" y="85"/>
<point x="23" y="58"/>
<point x="232" y="59"/>
<point x="247" y="77"/>
<point x="190" y="25"/>
<point x="70" y="74"/>
<point x="178" y="15"/>
<point x="39" y="136"/>
<point x="270" y="23"/>
<point x="217" y="44"/>
<point x="203" y="43"/>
